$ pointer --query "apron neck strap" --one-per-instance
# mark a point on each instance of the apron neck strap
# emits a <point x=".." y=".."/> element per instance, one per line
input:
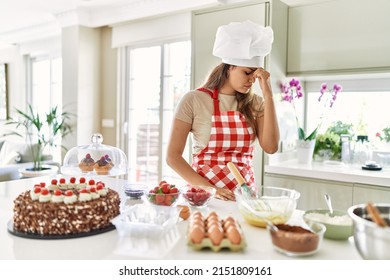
<point x="214" y="96"/>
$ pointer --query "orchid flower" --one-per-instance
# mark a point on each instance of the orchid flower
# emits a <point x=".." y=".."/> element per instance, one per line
<point x="293" y="90"/>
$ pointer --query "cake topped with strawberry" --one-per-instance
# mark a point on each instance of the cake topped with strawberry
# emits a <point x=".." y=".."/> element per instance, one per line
<point x="67" y="208"/>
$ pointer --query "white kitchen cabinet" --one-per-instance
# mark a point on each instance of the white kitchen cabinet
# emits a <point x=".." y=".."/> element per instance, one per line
<point x="313" y="190"/>
<point x="369" y="193"/>
<point x="339" y="36"/>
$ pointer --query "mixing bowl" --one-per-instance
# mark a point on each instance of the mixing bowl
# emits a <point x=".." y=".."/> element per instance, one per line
<point x="270" y="204"/>
<point x="338" y="224"/>
<point x="371" y="240"/>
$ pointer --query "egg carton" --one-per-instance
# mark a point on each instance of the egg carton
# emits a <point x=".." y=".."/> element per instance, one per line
<point x="225" y="244"/>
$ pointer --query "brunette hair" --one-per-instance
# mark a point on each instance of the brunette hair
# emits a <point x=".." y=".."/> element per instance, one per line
<point x="217" y="79"/>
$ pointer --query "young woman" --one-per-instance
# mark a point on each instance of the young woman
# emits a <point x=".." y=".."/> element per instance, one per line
<point x="225" y="117"/>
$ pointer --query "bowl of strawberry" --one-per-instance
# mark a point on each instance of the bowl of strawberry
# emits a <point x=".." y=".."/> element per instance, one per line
<point x="198" y="196"/>
<point x="163" y="194"/>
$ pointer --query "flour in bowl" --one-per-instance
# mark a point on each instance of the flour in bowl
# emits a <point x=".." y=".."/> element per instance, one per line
<point x="343" y="220"/>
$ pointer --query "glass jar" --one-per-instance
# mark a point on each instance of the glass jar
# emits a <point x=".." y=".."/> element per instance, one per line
<point x="362" y="150"/>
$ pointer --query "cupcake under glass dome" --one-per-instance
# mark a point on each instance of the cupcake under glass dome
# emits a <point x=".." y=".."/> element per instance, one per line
<point x="95" y="159"/>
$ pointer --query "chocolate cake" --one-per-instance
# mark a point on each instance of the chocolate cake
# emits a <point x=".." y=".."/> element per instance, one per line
<point x="65" y="208"/>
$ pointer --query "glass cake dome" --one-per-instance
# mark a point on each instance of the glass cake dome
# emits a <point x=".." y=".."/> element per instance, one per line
<point x="95" y="159"/>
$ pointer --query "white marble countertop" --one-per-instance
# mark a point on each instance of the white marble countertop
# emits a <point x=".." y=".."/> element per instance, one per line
<point x="174" y="247"/>
<point x="331" y="170"/>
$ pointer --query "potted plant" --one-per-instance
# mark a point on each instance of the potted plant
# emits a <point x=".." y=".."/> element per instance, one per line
<point x="292" y="92"/>
<point x="384" y="140"/>
<point x="41" y="133"/>
<point x="328" y="145"/>
<point x="384" y="135"/>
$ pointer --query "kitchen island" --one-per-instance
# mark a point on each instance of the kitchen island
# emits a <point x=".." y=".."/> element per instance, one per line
<point x="109" y="245"/>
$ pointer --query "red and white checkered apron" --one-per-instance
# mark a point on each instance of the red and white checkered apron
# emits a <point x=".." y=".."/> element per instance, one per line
<point x="231" y="140"/>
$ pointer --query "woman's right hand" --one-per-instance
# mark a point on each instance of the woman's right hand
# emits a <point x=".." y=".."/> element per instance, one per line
<point x="225" y="194"/>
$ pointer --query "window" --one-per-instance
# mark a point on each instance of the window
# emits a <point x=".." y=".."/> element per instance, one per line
<point x="46" y="89"/>
<point x="365" y="107"/>
<point x="158" y="76"/>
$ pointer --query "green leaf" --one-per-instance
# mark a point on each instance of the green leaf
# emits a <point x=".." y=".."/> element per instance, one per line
<point x="54" y="124"/>
<point x="301" y="134"/>
<point x="312" y="136"/>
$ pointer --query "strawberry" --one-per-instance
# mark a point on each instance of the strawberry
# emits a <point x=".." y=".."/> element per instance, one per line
<point x="165" y="188"/>
<point x="160" y="199"/>
<point x="72" y="180"/>
<point x="92" y="189"/>
<point x="99" y="187"/>
<point x="82" y="180"/>
<point x="168" y="200"/>
<point x="54" y="181"/>
<point x="162" y="182"/>
<point x="173" y="190"/>
<point x="58" y="192"/>
<point x="84" y="190"/>
<point x="37" y="190"/>
<point x="62" y="181"/>
<point x="42" y="184"/>
<point x="44" y="191"/>
<point x="69" y="193"/>
<point x="91" y="182"/>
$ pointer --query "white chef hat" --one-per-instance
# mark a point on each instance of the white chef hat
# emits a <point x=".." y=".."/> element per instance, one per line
<point x="243" y="43"/>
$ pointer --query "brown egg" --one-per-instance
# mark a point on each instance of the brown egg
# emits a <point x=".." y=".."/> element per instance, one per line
<point x="197" y="217"/>
<point x="196" y="234"/>
<point x="233" y="235"/>
<point x="212" y="219"/>
<point x="197" y="214"/>
<point x="212" y="213"/>
<point x="184" y="211"/>
<point x="229" y="218"/>
<point x="228" y="224"/>
<point x="212" y="222"/>
<point x="210" y="226"/>
<point x="215" y="234"/>
<point x="197" y="222"/>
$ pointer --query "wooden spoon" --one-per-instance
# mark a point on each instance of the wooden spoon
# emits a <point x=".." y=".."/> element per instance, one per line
<point x="375" y="215"/>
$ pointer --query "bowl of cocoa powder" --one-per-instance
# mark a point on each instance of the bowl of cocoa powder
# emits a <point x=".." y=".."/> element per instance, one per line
<point x="296" y="241"/>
